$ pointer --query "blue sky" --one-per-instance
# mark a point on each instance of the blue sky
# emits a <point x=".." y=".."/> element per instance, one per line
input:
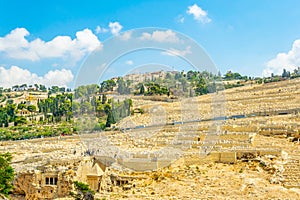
<point x="48" y="41"/>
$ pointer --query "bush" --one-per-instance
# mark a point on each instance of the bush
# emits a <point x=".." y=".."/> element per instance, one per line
<point x="6" y="173"/>
<point x="141" y="111"/>
<point x="100" y="126"/>
<point x="83" y="191"/>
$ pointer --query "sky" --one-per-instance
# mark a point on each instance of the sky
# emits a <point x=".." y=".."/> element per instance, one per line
<point x="49" y="42"/>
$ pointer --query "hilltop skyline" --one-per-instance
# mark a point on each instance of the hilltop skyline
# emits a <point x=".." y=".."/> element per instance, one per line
<point x="47" y="43"/>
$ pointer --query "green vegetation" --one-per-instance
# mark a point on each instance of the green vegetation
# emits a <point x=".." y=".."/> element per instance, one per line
<point x="54" y="115"/>
<point x="107" y="85"/>
<point x="87" y="90"/>
<point x="56" y="108"/>
<point x="178" y="84"/>
<point x="237" y="84"/>
<point x="7" y="114"/>
<point x="234" y="76"/>
<point x="107" y="111"/>
<point x="6" y="173"/>
<point x="123" y="87"/>
<point x="155" y="89"/>
<point x="142" y="89"/>
<point x="37" y="131"/>
<point x="95" y="107"/>
<point x="83" y="191"/>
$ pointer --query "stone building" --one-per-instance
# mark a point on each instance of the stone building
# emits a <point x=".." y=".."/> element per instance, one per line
<point x="55" y="180"/>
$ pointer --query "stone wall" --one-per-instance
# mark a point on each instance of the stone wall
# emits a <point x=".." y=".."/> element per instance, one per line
<point x="223" y="157"/>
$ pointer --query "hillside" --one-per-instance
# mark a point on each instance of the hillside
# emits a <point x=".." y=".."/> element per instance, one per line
<point x="269" y="98"/>
<point x="252" y="154"/>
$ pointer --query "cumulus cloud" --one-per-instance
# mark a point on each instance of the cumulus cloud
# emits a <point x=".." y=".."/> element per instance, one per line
<point x="126" y="35"/>
<point x="161" y="36"/>
<point x="17" y="76"/>
<point x="129" y="62"/>
<point x="115" y="27"/>
<point x="16" y="45"/>
<point x="176" y="52"/>
<point x="198" y="13"/>
<point x="100" y="30"/>
<point x="288" y="61"/>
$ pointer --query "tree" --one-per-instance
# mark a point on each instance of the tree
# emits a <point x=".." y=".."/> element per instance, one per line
<point x="15" y="87"/>
<point x="110" y="119"/>
<point x="62" y="89"/>
<point x="122" y="87"/>
<point x="31" y="108"/>
<point x="201" y="87"/>
<point x="178" y="76"/>
<point x="21" y="105"/>
<point x="169" y="76"/>
<point x="59" y="106"/>
<point x="232" y="76"/>
<point x="10" y="110"/>
<point x="285" y="74"/>
<point x="107" y="86"/>
<point x="19" y="120"/>
<point x="83" y="191"/>
<point x="43" y="88"/>
<point x="36" y="86"/>
<point x="142" y="89"/>
<point x="3" y="118"/>
<point x="23" y="87"/>
<point x="104" y="99"/>
<point x="54" y="89"/>
<point x="6" y="173"/>
<point x="86" y="107"/>
<point x="92" y="89"/>
<point x="99" y="109"/>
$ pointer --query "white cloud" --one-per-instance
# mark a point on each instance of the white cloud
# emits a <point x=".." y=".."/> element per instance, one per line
<point x="129" y="62"/>
<point x="15" y="45"/>
<point x="198" y="13"/>
<point x="115" y="27"/>
<point x="176" y="52"/>
<point x="100" y="30"/>
<point x="17" y="76"/>
<point x="288" y="61"/>
<point x="126" y="35"/>
<point x="180" y="19"/>
<point x="161" y="36"/>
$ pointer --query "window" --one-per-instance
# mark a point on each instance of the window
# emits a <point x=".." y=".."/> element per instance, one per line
<point x="51" y="181"/>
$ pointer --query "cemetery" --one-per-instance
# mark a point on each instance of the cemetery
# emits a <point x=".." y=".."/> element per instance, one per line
<point x="261" y="148"/>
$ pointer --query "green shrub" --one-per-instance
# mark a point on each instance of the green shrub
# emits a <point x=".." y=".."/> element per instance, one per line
<point x="6" y="173"/>
<point x="83" y="191"/>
